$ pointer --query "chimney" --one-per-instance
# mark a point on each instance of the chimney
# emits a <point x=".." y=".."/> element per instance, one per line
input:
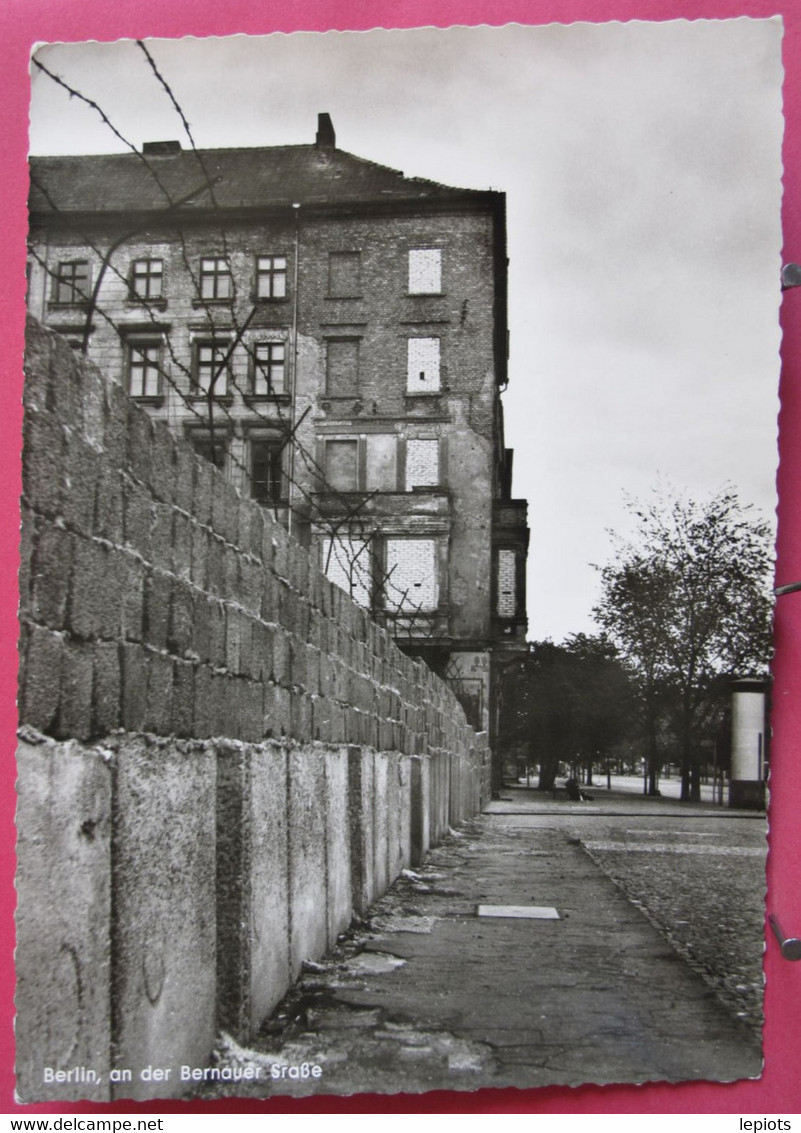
<point x="325" y="131"/>
<point x="161" y="149"/>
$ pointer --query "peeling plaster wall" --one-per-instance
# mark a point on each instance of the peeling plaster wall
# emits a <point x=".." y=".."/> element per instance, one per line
<point x="221" y="757"/>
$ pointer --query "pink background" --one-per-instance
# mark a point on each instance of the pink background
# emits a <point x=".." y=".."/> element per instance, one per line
<point x="24" y="22"/>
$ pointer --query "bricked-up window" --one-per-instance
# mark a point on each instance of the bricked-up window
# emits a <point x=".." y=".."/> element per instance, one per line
<point x="422" y="464"/>
<point x="342" y="465"/>
<point x="209" y="367"/>
<point x="71" y="283"/>
<point x="147" y="277"/>
<point x="266" y="473"/>
<point x="423" y="365"/>
<point x="144" y="368"/>
<point x="412" y="575"/>
<point x="346" y="562"/>
<point x="271" y="277"/>
<point x="269" y="369"/>
<point x="425" y="271"/>
<point x="507" y="584"/>
<point x="216" y="281"/>
<point x="342" y="367"/>
<point x="344" y="274"/>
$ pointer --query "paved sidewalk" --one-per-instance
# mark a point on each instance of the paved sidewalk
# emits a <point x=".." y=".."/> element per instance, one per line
<point x="427" y="995"/>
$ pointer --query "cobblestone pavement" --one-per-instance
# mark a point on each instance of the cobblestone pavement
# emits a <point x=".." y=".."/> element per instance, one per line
<point x="650" y="973"/>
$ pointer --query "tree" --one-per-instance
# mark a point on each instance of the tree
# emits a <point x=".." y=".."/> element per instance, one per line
<point x="566" y="703"/>
<point x="688" y="601"/>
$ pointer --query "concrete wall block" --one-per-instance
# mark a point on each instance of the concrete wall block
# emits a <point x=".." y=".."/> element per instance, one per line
<point x="269" y="885"/>
<point x="249" y="593"/>
<point x="162" y="463"/>
<point x="215" y="566"/>
<point x="420" y="809"/>
<point x="29" y="531"/>
<point x="253" y="897"/>
<point x="51" y="566"/>
<point x="39" y="677"/>
<point x="205" y="473"/>
<point x="307" y="856"/>
<point x="158" y="713"/>
<point x="75" y="702"/>
<point x="251" y="529"/>
<point x="63" y="916"/>
<point x="203" y="716"/>
<point x="140" y="443"/>
<point x="301" y="725"/>
<point x="182" y="531"/>
<point x="217" y="620"/>
<point x="232" y="574"/>
<point x="224" y="509"/>
<point x="136" y="508"/>
<point x="262" y="662"/>
<point x="281" y="661"/>
<point x="133" y="676"/>
<point x="382" y="822"/>
<point x="361" y="827"/>
<point x="115" y="422"/>
<point x="106" y="689"/>
<point x="338" y="856"/>
<point x="250" y="711"/>
<point x="156" y="611"/>
<point x="280" y="563"/>
<point x="277" y="712"/>
<point x="80" y="469"/>
<point x="183" y="478"/>
<point x="199" y="570"/>
<point x="298" y="673"/>
<point x="39" y="346"/>
<point x="161" y="517"/>
<point x="183" y="699"/>
<point x="404" y="771"/>
<point x="108" y="515"/>
<point x="269" y="597"/>
<point x="181" y="618"/>
<point x="165" y="910"/>
<point x="299" y="568"/>
<point x="43" y="448"/>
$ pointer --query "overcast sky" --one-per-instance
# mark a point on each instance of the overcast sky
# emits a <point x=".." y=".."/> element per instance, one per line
<point x="641" y="164"/>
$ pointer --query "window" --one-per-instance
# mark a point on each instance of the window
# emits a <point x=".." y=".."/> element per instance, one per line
<point x="201" y="442"/>
<point x="425" y="271"/>
<point x="269" y="369"/>
<point x="346" y="562"/>
<point x="422" y="464"/>
<point x="146" y="279"/>
<point x="381" y="463"/>
<point x="271" y="277"/>
<point x="507" y="584"/>
<point x="342" y="367"/>
<point x="266" y="474"/>
<point x="209" y="367"/>
<point x="144" y="368"/>
<point x="412" y="575"/>
<point x="423" y="365"/>
<point x="216" y="281"/>
<point x="71" y="282"/>
<point x="344" y="274"/>
<point x="342" y="465"/>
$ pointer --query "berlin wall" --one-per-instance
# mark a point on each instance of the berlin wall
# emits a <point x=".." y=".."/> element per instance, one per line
<point x="221" y="757"/>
